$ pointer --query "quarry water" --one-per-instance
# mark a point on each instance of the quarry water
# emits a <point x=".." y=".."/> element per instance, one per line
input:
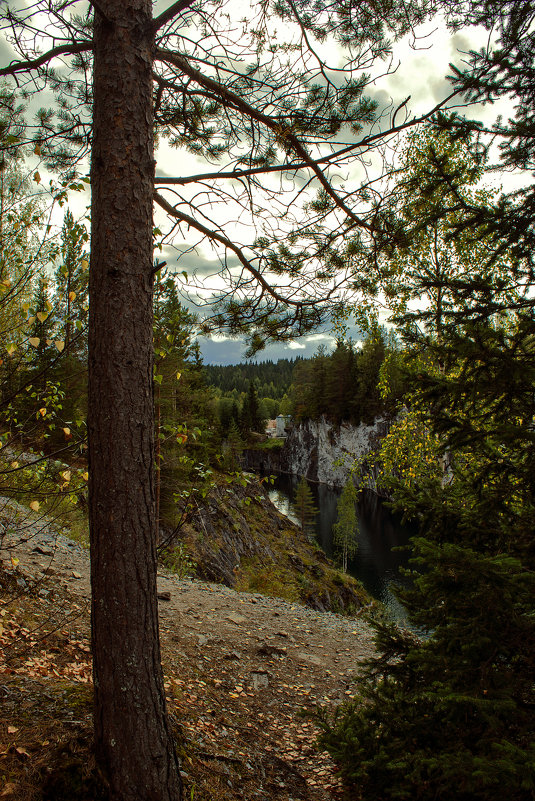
<point x="376" y="564"/>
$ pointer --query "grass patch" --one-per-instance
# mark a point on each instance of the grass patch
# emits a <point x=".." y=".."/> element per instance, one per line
<point x="272" y="444"/>
<point x="271" y="580"/>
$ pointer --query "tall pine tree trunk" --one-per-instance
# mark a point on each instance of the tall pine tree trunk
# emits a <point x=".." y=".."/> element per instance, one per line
<point x="158" y="460"/>
<point x="133" y="742"/>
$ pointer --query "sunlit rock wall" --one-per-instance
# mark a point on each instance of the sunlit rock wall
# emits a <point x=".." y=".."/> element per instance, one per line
<point x="326" y="453"/>
<point x="323" y="452"/>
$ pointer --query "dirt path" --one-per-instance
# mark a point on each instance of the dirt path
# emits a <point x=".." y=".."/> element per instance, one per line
<point x="239" y="670"/>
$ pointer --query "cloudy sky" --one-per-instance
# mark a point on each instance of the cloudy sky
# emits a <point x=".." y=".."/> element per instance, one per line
<point x="419" y="70"/>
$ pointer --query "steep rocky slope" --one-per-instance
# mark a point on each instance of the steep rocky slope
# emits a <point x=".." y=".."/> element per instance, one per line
<point x="239" y="538"/>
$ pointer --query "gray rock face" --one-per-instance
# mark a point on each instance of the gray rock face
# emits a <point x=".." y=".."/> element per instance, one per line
<point x="323" y="452"/>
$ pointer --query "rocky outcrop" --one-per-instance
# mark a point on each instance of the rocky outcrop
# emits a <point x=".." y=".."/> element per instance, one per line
<point x="239" y="538"/>
<point x="323" y="452"/>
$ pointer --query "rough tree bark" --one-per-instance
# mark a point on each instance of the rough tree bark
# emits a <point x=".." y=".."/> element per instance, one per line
<point x="133" y="742"/>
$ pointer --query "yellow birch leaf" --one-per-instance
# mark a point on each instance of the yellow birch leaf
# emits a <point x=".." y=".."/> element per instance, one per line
<point x="42" y="411"/>
<point x="67" y="431"/>
<point x="84" y="264"/>
<point x="14" y="561"/>
<point x="34" y="341"/>
<point x="60" y="344"/>
<point x="85" y="476"/>
<point x="31" y="320"/>
<point x="11" y="348"/>
<point x="37" y="177"/>
<point x="35" y="506"/>
<point x="49" y="342"/>
<point x="72" y="295"/>
<point x="12" y="729"/>
<point x="41" y="316"/>
<point x="25" y="306"/>
<point x="178" y="376"/>
<point x="66" y="475"/>
<point x="14" y="465"/>
<point x="48" y="305"/>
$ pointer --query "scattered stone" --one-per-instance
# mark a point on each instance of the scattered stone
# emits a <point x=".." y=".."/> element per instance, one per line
<point x="202" y="639"/>
<point x="260" y="678"/>
<point x="311" y="659"/>
<point x="234" y="617"/>
<point x="43" y="551"/>
<point x="76" y="575"/>
<point x="164" y="596"/>
<point x="266" y="649"/>
<point x="232" y="655"/>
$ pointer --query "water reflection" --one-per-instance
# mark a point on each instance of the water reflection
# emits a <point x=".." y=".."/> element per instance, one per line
<point x="376" y="564"/>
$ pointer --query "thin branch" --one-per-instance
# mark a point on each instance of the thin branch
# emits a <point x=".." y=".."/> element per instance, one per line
<point x="32" y="64"/>
<point x="241" y="105"/>
<point x="172" y="11"/>
<point x="217" y="237"/>
<point x="290" y="167"/>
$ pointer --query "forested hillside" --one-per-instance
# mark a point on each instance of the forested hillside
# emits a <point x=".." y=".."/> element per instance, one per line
<point x="248" y="394"/>
<point x="345" y="385"/>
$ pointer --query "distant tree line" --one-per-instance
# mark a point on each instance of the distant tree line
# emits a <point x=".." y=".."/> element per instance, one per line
<point x="345" y="385"/>
<point x="248" y="394"/>
<point x="272" y="379"/>
<point x="342" y="385"/>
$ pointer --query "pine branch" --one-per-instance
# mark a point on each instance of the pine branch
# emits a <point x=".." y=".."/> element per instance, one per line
<point x="171" y="12"/>
<point x="217" y="237"/>
<point x="45" y="58"/>
<point x="235" y="101"/>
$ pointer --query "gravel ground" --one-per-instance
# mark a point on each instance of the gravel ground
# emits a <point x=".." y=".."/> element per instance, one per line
<point x="239" y="667"/>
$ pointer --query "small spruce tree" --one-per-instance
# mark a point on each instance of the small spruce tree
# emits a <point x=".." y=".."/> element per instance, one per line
<point x="304" y="507"/>
<point x="71" y="287"/>
<point x="346" y="526"/>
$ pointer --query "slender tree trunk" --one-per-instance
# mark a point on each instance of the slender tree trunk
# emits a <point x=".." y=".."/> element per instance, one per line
<point x="157" y="461"/>
<point x="133" y="743"/>
<point x="68" y="316"/>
